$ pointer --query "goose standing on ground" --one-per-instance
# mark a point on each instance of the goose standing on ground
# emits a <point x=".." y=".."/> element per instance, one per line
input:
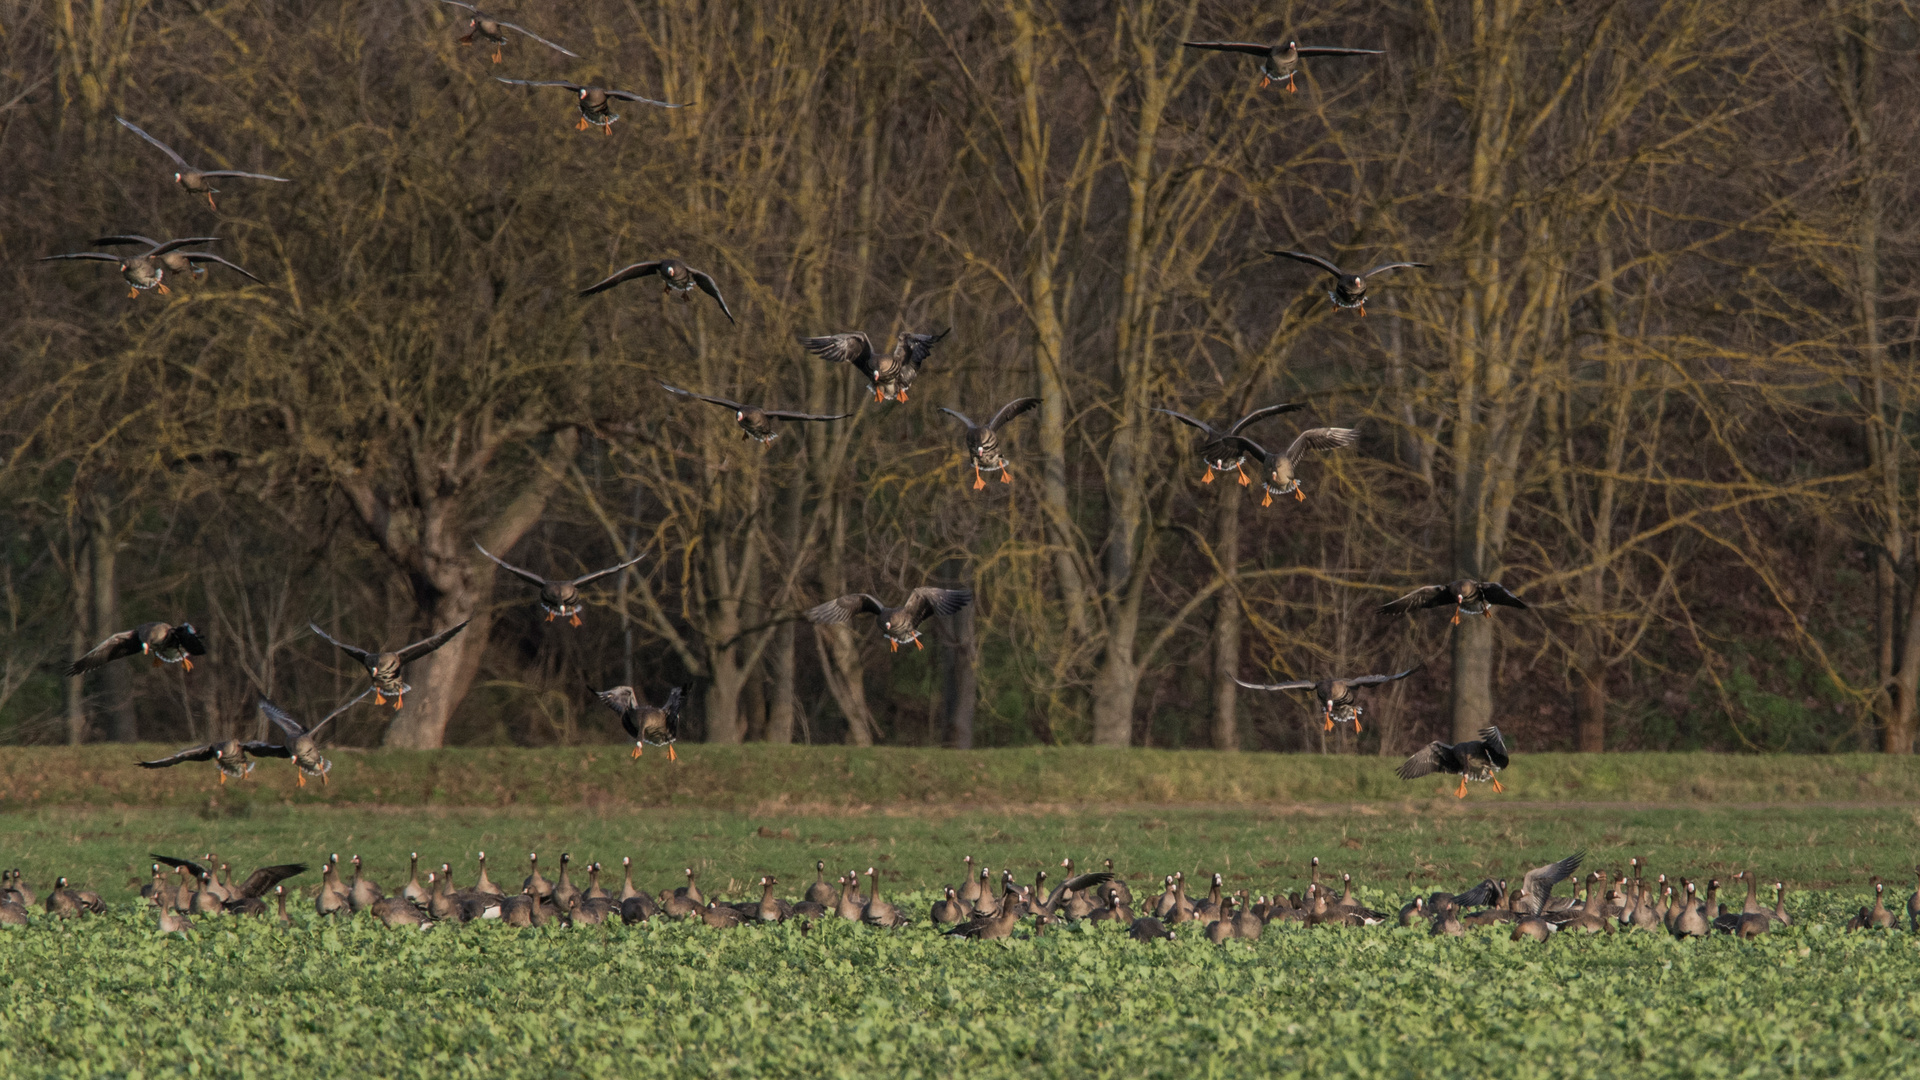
<point x="1224" y="451"/>
<point x="165" y="642"/>
<point x="755" y="422"/>
<point x="596" y="109"/>
<point x="1349" y="290"/>
<point x="414" y="892"/>
<point x="332" y="897"/>
<point x="1689" y="920"/>
<point x="1339" y="699"/>
<point x="484" y="25"/>
<point x="679" y="278"/>
<point x="534" y="884"/>
<point x="649" y="726"/>
<point x="879" y="912"/>
<point x="892" y="374"/>
<point x="1478" y="760"/>
<point x="384" y="667"/>
<point x="950" y="911"/>
<point x="192" y="180"/>
<point x="362" y="893"/>
<point x="559" y="597"/>
<point x="983" y="440"/>
<point x="565" y="887"/>
<point x="1913" y="903"/>
<point x="299" y="746"/>
<point x="820" y="892"/>
<point x="900" y="625"/>
<point x="849" y="906"/>
<point x="1278" y="63"/>
<point x="1283" y="470"/>
<point x="228" y="755"/>
<point x="1466" y="595"/>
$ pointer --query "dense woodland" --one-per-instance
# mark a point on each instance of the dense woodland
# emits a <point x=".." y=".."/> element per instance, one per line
<point x="1656" y="381"/>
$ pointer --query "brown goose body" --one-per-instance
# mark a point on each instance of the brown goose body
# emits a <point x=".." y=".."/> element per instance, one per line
<point x="559" y="597"/>
<point x="1339" y="697"/>
<point x="1278" y="63"/>
<point x="383" y="668"/>
<point x="891" y="374"/>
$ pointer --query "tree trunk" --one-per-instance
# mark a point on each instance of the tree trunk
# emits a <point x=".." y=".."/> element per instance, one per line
<point x="116" y="680"/>
<point x="457" y="584"/>
<point x="1116" y="688"/>
<point x="1226" y="629"/>
<point x="840" y="661"/>
<point x="959" y="680"/>
<point x="783" y="703"/>
<point x="1472" y="676"/>
<point x="81" y="565"/>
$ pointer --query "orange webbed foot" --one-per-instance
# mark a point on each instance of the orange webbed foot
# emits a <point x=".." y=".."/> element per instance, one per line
<point x="1462" y="793"/>
<point x="671" y="756"/>
<point x="1006" y="476"/>
<point x="1244" y="482"/>
<point x="210" y="201"/>
<point x="1299" y="495"/>
<point x="917" y="645"/>
<point x="1290" y="87"/>
<point x="903" y="395"/>
<point x="1265" y="82"/>
<point x="397" y="698"/>
<point x="576" y="620"/>
<point x="1329" y="726"/>
<point x="1456" y="616"/>
<point x="1207" y="479"/>
<point x="187" y="664"/>
<point x="1356" y="725"/>
<point x="324" y="781"/>
<point x="895" y="644"/>
<point x="496" y="56"/>
<point x="223" y="779"/>
<point x="133" y="294"/>
<point x="162" y="288"/>
<point x="378" y="697"/>
<point x="550" y="616"/>
<point x="1497" y="787"/>
<point x="1488" y="613"/>
<point x="979" y="482"/>
<point x="876" y="394"/>
<point x="582" y="125"/>
<point x="1267" y="500"/>
<point x="636" y="751"/>
<point x="606" y="128"/>
<point x="300" y="779"/>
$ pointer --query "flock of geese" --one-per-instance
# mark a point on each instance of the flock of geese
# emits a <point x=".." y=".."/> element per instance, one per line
<point x="889" y="372"/>
<point x="183" y="889"/>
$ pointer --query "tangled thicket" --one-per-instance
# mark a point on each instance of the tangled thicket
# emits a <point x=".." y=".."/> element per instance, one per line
<point x="1655" y="381"/>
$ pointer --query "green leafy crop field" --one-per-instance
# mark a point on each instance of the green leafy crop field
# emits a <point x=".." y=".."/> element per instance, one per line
<point x="108" y="995"/>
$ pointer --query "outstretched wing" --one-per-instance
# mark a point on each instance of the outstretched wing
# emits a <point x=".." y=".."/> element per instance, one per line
<point x="357" y="653"/>
<point x="1310" y="260"/>
<point x="1435" y="757"/>
<point x="1394" y="266"/>
<point x="350" y="703"/>
<point x="962" y="417"/>
<point x="1541" y="880"/>
<point x="462" y="3"/>
<point x="586" y="579"/>
<point x="97" y="256"/>
<point x="193" y="867"/>
<point x="267" y="877"/>
<point x="932" y="600"/>
<point x="562" y="50"/>
<point x="1297" y="684"/>
<point x="1247" y="47"/>
<point x="135" y="238"/>
<point x="523" y="575"/>
<point x="205" y="256"/>
<point x="625" y="273"/>
<point x="1376" y="680"/>
<point x="421" y="648"/>
<point x="1424" y="597"/>
<point x="124" y="643"/>
<point x="267" y="749"/>
<point x="782" y="414"/>
<point x="1495" y="746"/>
<point x="623" y="701"/>
<point x="1329" y="50"/>
<point x="573" y="86"/>
<point x="920" y="346"/>
<point x="628" y="95"/>
<point x="724" y="402"/>
<point x="198" y="753"/>
<point x="1321" y="438"/>
<point x="1010" y="410"/>
<point x="705" y="281"/>
<point x="1494" y="593"/>
<point x="1205" y="428"/>
<point x="844" y="608"/>
<point x="164" y="148"/>
<point x="1262" y="414"/>
<point x="287" y="724"/>
<point x="675" y="699"/>
<point x="852" y="347"/>
<point x="1246" y="445"/>
<point x="245" y="175"/>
